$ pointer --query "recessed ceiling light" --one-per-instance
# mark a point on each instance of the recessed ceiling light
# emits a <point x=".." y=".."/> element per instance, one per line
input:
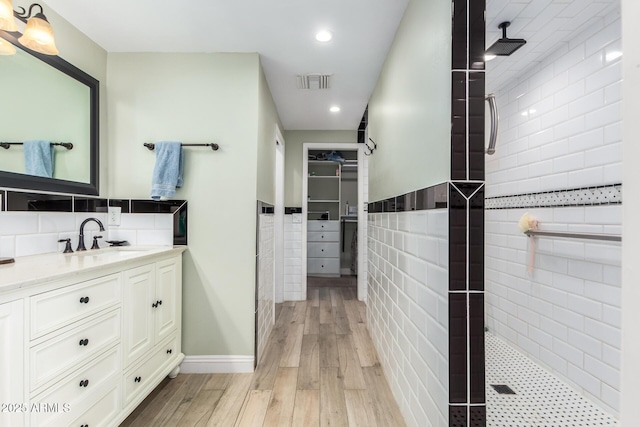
<point x="334" y="109"/>
<point x="323" y="36"/>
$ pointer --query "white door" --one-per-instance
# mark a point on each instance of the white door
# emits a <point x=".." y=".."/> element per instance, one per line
<point x="139" y="291"/>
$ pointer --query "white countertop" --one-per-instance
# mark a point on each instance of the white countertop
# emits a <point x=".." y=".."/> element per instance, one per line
<point x="34" y="269"/>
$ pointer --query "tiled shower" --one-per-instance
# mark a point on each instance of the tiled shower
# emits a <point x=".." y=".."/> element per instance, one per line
<point x="559" y="159"/>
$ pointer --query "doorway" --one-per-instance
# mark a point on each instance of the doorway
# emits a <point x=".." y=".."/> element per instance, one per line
<point x="334" y="221"/>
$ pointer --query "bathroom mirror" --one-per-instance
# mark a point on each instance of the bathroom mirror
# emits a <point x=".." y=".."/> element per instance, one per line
<point x="44" y="97"/>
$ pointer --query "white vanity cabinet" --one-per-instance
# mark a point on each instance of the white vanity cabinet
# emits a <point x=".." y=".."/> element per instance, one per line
<point x="12" y="390"/>
<point x="152" y="304"/>
<point x="71" y="347"/>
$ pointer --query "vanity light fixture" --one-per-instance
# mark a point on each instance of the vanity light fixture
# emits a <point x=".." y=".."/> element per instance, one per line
<point x="38" y="35"/>
<point x="7" y="21"/>
<point x="6" y="48"/>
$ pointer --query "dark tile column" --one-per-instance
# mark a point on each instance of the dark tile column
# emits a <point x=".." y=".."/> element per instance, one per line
<point x="466" y="217"/>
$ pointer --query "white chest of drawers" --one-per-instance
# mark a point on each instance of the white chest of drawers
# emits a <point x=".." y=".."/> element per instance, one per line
<point x="323" y="248"/>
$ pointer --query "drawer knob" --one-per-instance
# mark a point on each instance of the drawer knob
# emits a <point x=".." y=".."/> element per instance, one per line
<point x="321" y="250"/>
<point x="159" y="302"/>
<point x="84" y="425"/>
<point x="84" y="300"/>
<point x="137" y="379"/>
<point x="84" y="342"/>
<point x="169" y="351"/>
<point x="84" y="383"/>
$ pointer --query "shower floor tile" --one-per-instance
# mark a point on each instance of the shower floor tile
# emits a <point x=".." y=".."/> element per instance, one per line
<point x="541" y="399"/>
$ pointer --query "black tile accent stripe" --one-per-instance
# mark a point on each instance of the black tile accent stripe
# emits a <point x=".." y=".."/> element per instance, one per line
<point x="434" y="197"/>
<point x="476" y="241"/>
<point x="152" y="206"/>
<point x="458" y="351"/>
<point x="458" y="125"/>
<point x="458" y="416"/>
<point x="478" y="416"/>
<point x="85" y="204"/>
<point x="476" y="348"/>
<point x="476" y="34"/>
<point x="457" y="240"/>
<point x="459" y="35"/>
<point x="476" y="125"/>
<point x="3" y="198"/>
<point x="588" y="196"/>
<point x="38" y="202"/>
<point x="466" y="216"/>
<point x="124" y="204"/>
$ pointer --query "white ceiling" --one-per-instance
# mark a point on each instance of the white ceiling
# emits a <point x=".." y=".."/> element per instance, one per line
<point x="281" y="31"/>
<point x="544" y="24"/>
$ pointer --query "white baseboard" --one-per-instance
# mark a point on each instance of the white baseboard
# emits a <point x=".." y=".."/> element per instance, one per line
<point x="217" y="364"/>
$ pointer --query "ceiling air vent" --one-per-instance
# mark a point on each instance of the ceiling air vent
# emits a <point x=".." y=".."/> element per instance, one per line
<point x="314" y="81"/>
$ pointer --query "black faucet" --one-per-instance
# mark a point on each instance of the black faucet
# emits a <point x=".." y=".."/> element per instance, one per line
<point x="81" y="239"/>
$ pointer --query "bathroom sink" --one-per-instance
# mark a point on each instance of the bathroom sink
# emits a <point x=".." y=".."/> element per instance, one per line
<point x="117" y="251"/>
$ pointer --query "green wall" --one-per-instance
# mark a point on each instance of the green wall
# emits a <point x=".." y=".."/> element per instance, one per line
<point x="409" y="111"/>
<point x="197" y="98"/>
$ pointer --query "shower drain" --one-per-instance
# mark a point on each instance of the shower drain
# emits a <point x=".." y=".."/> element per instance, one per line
<point x="502" y="389"/>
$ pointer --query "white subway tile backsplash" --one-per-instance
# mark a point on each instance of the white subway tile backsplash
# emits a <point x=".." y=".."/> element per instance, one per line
<point x="12" y="224"/>
<point x="56" y="222"/>
<point x="155" y="237"/>
<point x="7" y="246"/>
<point x="35" y="244"/>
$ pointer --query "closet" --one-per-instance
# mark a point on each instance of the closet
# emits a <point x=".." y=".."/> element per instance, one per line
<point x="332" y="198"/>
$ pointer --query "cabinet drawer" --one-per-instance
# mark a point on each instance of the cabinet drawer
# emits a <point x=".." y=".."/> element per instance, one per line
<point x="51" y="358"/>
<point x="323" y="266"/>
<point x="139" y="378"/>
<point x="323" y="250"/>
<point x="102" y="412"/>
<point x="55" y="309"/>
<point x="323" y="236"/>
<point x="79" y="387"/>
<point x="323" y="226"/>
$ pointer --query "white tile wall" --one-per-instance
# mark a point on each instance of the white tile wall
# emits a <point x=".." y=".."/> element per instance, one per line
<point x="293" y="258"/>
<point x="560" y="129"/>
<point x="266" y="278"/>
<point x="566" y="315"/>
<point x="407" y="309"/>
<point x="32" y="233"/>
<point x="560" y="119"/>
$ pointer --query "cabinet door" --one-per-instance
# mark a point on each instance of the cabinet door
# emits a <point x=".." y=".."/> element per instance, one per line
<point x="11" y="363"/>
<point x="167" y="298"/>
<point x="139" y="292"/>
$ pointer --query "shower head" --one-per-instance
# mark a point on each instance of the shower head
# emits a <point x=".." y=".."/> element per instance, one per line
<point x="505" y="46"/>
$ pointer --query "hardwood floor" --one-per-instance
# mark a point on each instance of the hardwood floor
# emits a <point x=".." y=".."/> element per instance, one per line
<point x="319" y="369"/>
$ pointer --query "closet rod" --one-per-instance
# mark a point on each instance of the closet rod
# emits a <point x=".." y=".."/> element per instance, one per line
<point x="213" y="146"/>
<point x="6" y="145"/>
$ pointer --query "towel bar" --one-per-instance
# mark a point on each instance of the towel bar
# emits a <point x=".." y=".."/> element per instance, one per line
<point x="213" y="146"/>
<point x="594" y="236"/>
<point x="7" y="145"/>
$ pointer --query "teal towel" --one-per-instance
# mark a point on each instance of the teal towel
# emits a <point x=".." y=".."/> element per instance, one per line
<point x="167" y="173"/>
<point x="38" y="158"/>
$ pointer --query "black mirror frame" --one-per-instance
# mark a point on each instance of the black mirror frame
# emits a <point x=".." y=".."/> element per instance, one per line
<point x="22" y="181"/>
